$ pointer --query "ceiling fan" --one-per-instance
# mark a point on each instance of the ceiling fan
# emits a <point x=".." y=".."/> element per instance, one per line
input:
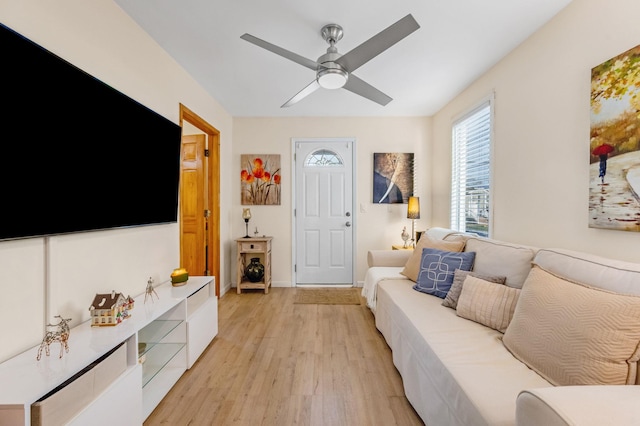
<point x="334" y="70"/>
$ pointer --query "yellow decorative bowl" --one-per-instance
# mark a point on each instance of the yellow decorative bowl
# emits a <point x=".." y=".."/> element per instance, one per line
<point x="179" y="277"/>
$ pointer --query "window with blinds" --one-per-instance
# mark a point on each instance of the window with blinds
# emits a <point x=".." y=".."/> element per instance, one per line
<point x="471" y="171"/>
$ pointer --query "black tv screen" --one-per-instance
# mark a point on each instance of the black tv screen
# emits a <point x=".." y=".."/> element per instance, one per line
<point x="76" y="154"/>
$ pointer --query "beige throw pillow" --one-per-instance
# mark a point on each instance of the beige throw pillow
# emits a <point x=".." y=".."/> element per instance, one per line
<point x="572" y="334"/>
<point x="451" y="299"/>
<point x="412" y="267"/>
<point x="487" y="303"/>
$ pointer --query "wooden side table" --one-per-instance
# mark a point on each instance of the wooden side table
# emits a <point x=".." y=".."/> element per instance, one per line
<point x="249" y="248"/>
<point x="400" y="247"/>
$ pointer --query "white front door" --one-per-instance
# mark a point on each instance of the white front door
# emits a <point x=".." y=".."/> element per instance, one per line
<point x="324" y="220"/>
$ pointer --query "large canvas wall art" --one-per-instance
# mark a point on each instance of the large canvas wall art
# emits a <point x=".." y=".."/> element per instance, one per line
<point x="260" y="179"/>
<point x="392" y="178"/>
<point x="614" y="170"/>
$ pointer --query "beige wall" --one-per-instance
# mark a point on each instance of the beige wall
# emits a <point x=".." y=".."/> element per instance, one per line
<point x="378" y="226"/>
<point x="541" y="157"/>
<point x="541" y="145"/>
<point x="60" y="275"/>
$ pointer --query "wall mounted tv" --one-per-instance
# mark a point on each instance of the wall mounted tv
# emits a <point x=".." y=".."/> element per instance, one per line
<point x="75" y="154"/>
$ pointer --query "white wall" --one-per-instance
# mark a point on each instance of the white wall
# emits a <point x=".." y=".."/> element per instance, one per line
<point x="378" y="226"/>
<point x="541" y="145"/>
<point x="60" y="275"/>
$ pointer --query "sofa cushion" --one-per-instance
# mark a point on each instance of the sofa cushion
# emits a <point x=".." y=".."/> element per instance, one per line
<point x="572" y="334"/>
<point x="412" y="267"/>
<point x="578" y="405"/>
<point x="451" y="300"/>
<point x="487" y="303"/>
<point x="501" y="258"/>
<point x="437" y="268"/>
<point x="455" y="372"/>
<point x="438" y="233"/>
<point x="592" y="270"/>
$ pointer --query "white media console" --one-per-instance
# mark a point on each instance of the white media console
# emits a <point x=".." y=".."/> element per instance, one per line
<point x="118" y="374"/>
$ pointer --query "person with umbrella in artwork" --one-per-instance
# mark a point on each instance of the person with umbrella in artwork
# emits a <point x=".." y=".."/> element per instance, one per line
<point x="602" y="151"/>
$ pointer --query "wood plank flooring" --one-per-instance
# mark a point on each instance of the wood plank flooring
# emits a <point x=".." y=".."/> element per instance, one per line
<point x="276" y="363"/>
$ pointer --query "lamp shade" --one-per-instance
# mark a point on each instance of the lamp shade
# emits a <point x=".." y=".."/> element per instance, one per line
<point x="246" y="214"/>
<point x="413" y="208"/>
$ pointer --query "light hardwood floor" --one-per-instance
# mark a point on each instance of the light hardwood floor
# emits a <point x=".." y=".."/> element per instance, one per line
<point x="277" y="363"/>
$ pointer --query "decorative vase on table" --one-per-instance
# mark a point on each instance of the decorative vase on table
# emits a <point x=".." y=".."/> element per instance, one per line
<point x="405" y="237"/>
<point x="254" y="270"/>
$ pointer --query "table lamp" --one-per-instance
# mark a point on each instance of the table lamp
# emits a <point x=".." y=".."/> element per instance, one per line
<point x="246" y="215"/>
<point x="413" y="213"/>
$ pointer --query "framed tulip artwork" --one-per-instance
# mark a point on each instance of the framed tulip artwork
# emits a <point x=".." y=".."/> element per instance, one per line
<point x="260" y="179"/>
<point x="614" y="169"/>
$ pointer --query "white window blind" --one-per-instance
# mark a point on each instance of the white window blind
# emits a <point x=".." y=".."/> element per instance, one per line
<point x="471" y="171"/>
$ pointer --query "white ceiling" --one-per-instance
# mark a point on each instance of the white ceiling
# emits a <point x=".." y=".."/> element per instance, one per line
<point x="458" y="40"/>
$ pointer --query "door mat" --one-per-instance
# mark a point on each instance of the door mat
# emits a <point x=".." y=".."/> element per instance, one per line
<point x="328" y="296"/>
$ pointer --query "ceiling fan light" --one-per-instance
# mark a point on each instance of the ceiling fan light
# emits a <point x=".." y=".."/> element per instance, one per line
<point x="332" y="78"/>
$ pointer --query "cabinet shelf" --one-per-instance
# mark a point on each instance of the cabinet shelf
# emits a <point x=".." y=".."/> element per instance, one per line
<point x="157" y="358"/>
<point x="162" y="344"/>
<point x="156" y="331"/>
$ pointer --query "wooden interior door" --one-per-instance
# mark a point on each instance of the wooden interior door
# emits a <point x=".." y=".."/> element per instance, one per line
<point x="205" y="245"/>
<point x="193" y="201"/>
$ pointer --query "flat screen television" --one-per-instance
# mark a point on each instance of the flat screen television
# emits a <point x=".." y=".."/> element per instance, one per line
<point x="75" y="154"/>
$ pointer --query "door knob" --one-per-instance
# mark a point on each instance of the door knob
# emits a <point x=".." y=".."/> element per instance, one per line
<point x="348" y="224"/>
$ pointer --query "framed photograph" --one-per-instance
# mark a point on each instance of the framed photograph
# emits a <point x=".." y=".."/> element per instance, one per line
<point x="392" y="178"/>
<point x="260" y="179"/>
<point x="614" y="169"/>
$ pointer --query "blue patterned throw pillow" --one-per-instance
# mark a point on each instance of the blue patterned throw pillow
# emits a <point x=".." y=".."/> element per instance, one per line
<point x="437" y="269"/>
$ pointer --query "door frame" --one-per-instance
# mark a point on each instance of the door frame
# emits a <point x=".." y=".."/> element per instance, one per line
<point x="213" y="177"/>
<point x="294" y="201"/>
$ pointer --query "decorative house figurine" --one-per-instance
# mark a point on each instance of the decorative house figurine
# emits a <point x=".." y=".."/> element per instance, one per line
<point x="110" y="309"/>
<point x="60" y="335"/>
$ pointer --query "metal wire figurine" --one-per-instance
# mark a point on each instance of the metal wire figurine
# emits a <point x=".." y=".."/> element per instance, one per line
<point x="60" y="335"/>
<point x="150" y="291"/>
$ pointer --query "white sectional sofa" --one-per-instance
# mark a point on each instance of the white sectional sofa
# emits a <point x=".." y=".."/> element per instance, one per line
<point x="568" y="355"/>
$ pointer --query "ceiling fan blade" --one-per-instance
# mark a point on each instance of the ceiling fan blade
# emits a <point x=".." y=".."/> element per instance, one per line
<point x="377" y="44"/>
<point x="280" y="51"/>
<point x="362" y="88"/>
<point x="312" y="87"/>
